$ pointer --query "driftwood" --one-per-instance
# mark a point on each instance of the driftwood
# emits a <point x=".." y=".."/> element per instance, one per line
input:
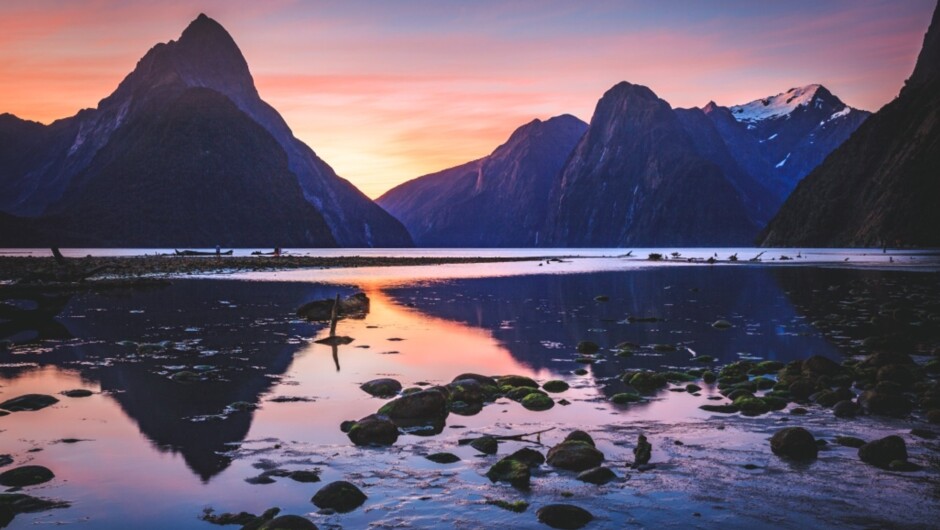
<point x="757" y="257"/>
<point x="354" y="306"/>
<point x="509" y="437"/>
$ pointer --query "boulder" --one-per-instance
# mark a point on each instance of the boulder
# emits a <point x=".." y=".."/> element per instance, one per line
<point x="529" y="457"/>
<point x="845" y="409"/>
<point x="516" y="381"/>
<point x="574" y="456"/>
<point x="885" y="403"/>
<point x="28" y="402"/>
<point x="819" y="365"/>
<point x="884" y="358"/>
<point x="288" y="522"/>
<point x="795" y="443"/>
<point x="482" y="379"/>
<point x="555" y="385"/>
<point x="587" y="347"/>
<point x="537" y="401"/>
<point x="23" y="476"/>
<point x="374" y="429"/>
<point x="443" y="458"/>
<point x="340" y="496"/>
<point x="882" y="452"/>
<point x="383" y="388"/>
<point x="597" y="475"/>
<point x="77" y="393"/>
<point x="564" y="516"/>
<point x="486" y="445"/>
<point x="512" y="471"/>
<point x="428" y="404"/>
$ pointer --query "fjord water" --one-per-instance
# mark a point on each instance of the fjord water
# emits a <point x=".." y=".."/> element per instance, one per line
<point x="154" y="453"/>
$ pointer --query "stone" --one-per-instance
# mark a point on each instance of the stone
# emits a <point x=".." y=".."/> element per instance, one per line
<point x="882" y="452"/>
<point x="423" y="405"/>
<point x="555" y="385"/>
<point x="564" y="516"/>
<point x="469" y="391"/>
<point x="486" y="445"/>
<point x="819" y="365"/>
<point x="482" y="379"/>
<point x="884" y="358"/>
<point x="647" y="381"/>
<point x="580" y="436"/>
<point x="382" y="388"/>
<point x="845" y="409"/>
<point x="22" y="476"/>
<point x="692" y="388"/>
<point x="795" y="443"/>
<point x="512" y="471"/>
<point x="516" y="381"/>
<point x="288" y="522"/>
<point x="340" y="496"/>
<point x="443" y="458"/>
<point x="28" y="402"/>
<point x="529" y="457"/>
<point x="587" y="347"/>
<point x="574" y="456"/>
<point x="374" y="429"/>
<point x="722" y="324"/>
<point x="624" y="398"/>
<point x="885" y="403"/>
<point x="304" y="476"/>
<point x="721" y="409"/>
<point x="537" y="401"/>
<point x="597" y="475"/>
<point x="850" y="441"/>
<point x="77" y="393"/>
<point x="642" y="452"/>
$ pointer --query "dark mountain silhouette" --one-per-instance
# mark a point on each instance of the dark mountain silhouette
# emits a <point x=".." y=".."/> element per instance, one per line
<point x="184" y="152"/>
<point x="497" y="201"/>
<point x="637" y="179"/>
<point x="881" y="185"/>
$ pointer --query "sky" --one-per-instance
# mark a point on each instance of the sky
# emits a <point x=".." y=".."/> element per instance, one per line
<point x="388" y="91"/>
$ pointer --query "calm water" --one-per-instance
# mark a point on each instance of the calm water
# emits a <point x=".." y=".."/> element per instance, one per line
<point x="154" y="452"/>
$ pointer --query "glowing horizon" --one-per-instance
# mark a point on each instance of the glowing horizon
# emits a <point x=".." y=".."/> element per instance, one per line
<point x="388" y="92"/>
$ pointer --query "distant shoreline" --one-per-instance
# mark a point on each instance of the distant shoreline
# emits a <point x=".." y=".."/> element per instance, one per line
<point x="17" y="267"/>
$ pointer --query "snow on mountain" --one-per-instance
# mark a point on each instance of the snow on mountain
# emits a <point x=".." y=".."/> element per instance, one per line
<point x="785" y="103"/>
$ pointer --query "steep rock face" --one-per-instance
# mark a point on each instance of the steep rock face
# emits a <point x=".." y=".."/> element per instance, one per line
<point x="636" y="179"/>
<point x="497" y="201"/>
<point x="205" y="56"/>
<point x="882" y="185"/>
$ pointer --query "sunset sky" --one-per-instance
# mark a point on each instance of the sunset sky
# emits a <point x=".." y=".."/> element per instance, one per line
<point x="388" y="91"/>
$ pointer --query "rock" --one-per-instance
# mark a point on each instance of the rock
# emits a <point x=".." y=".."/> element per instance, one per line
<point x="383" y="388"/>
<point x="926" y="434"/>
<point x="347" y="425"/>
<point x="903" y="466"/>
<point x="642" y="452"/>
<point x="626" y="397"/>
<point x="574" y="456"/>
<point x="692" y="388"/>
<point x="288" y="522"/>
<point x="516" y="381"/>
<point x="881" y="453"/>
<point x="799" y="411"/>
<point x="519" y="393"/>
<point x="537" y="401"/>
<point x="564" y="516"/>
<point x="751" y="406"/>
<point x="845" y="409"/>
<point x="602" y="298"/>
<point x="597" y="475"/>
<point x="185" y="376"/>
<point x="721" y="324"/>
<point x="482" y="379"/>
<point x="647" y="381"/>
<point x="340" y="496"/>
<point x="375" y="429"/>
<point x="709" y="377"/>
<point x="304" y="476"/>
<point x="884" y="358"/>
<point x="529" y="457"/>
<point x="885" y="404"/>
<point x="794" y="442"/>
<point x="28" y="402"/>
<point x="555" y="385"/>
<point x="514" y="506"/>
<point x="722" y="409"/>
<point x="512" y="471"/>
<point x="896" y="373"/>
<point x="801" y="389"/>
<point x="22" y="476"/>
<point x="587" y="347"/>
<point x="850" y="441"/>
<point x="819" y="365"/>
<point x="443" y="458"/>
<point x="5" y="460"/>
<point x="486" y="445"/>
<point x="12" y="504"/>
<point x="77" y="393"/>
<point x="319" y="310"/>
<point x="580" y="436"/>
<point x="933" y="416"/>
<point x="424" y="405"/>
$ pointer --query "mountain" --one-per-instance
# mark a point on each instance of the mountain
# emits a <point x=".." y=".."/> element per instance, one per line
<point x="882" y="185"/>
<point x="500" y="200"/>
<point x="636" y="178"/>
<point x="183" y="153"/>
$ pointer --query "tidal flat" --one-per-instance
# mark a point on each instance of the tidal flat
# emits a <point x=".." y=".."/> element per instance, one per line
<point x="183" y="401"/>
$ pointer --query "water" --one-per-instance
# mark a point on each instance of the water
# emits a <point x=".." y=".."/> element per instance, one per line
<point x="154" y="453"/>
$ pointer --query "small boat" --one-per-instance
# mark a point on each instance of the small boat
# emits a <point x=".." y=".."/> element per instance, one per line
<point x="202" y="253"/>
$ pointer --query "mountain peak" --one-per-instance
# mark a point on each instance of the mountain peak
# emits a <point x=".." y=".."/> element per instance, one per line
<point x="203" y="26"/>
<point x="785" y="103"/>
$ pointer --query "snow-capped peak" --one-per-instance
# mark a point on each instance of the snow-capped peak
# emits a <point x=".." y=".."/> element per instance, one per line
<point x="780" y="105"/>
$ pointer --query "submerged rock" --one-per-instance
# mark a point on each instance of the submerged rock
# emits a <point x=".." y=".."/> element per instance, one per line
<point x="882" y="452"/>
<point x="22" y="476"/>
<point x="564" y="516"/>
<point x="443" y="458"/>
<point x="77" y="393"/>
<point x="28" y="402"/>
<point x="794" y="442"/>
<point x="340" y="496"/>
<point x="597" y="475"/>
<point x="383" y="388"/>
<point x="374" y="429"/>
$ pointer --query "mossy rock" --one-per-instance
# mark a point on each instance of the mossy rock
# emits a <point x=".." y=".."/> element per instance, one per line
<point x="774" y="403"/>
<point x="520" y="393"/>
<point x="574" y="456"/>
<point x="382" y="388"/>
<point x="512" y="471"/>
<point x="766" y="367"/>
<point x="751" y="406"/>
<point x="709" y="377"/>
<point x="648" y="381"/>
<point x="764" y="383"/>
<point x="537" y="401"/>
<point x="512" y="506"/>
<point x="587" y="347"/>
<point x="555" y="385"/>
<point x="678" y="377"/>
<point x="692" y="388"/>
<point x="528" y="456"/>
<point x="794" y="442"/>
<point x="664" y="347"/>
<point x="626" y="397"/>
<point x="516" y="381"/>
<point x="185" y="376"/>
<point x="77" y="393"/>
<point x="486" y="445"/>
<point x="704" y="359"/>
